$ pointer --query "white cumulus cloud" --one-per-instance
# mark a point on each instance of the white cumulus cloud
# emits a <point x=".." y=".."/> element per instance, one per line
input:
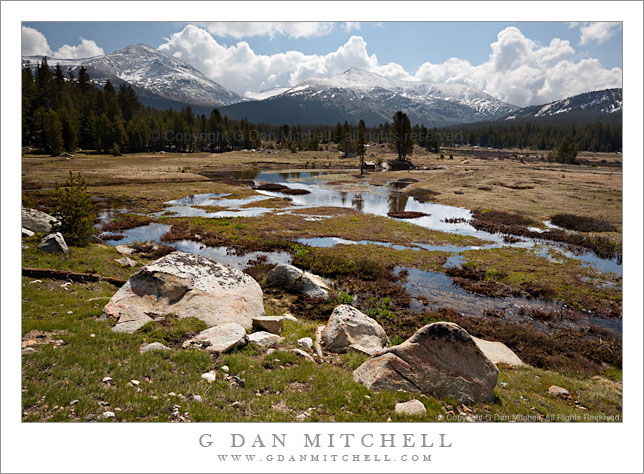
<point x="598" y="31"/>
<point x="518" y="71"/>
<point x="240" y="69"/>
<point x="86" y="49"/>
<point x="34" y="43"/>
<point x="521" y="72"/>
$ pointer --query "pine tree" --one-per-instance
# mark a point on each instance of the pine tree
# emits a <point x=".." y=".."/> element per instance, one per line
<point x="75" y="210"/>
<point x="402" y="140"/>
<point x="361" y="145"/>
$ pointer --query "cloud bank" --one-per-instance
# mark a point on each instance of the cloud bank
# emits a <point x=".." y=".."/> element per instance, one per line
<point x="518" y="70"/>
<point x="34" y="43"/>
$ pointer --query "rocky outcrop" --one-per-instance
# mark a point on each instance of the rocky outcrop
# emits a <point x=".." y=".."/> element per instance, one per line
<point x="54" y="243"/>
<point x="349" y="329"/>
<point x="498" y="352"/>
<point x="293" y="279"/>
<point x="219" y="339"/>
<point x="37" y="221"/>
<point x="440" y="359"/>
<point x="186" y="285"/>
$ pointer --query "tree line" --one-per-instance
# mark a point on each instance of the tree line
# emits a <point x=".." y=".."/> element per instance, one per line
<point x="62" y="112"/>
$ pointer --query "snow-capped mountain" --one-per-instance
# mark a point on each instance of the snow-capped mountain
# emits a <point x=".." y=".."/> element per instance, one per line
<point x="152" y="73"/>
<point x="358" y="94"/>
<point x="606" y="103"/>
<point x="265" y="94"/>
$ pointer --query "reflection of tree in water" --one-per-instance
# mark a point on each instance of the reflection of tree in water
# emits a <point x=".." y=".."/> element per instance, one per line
<point x="247" y="174"/>
<point x="343" y="196"/>
<point x="397" y="201"/>
<point x="357" y="202"/>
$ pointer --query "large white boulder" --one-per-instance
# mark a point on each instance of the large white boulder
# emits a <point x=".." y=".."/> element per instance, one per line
<point x="186" y="285"/>
<point x="293" y="279"/>
<point x="440" y="359"/>
<point x="37" y="221"/>
<point x="349" y="329"/>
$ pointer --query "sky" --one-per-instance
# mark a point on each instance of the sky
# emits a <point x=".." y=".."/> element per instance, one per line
<point x="522" y="63"/>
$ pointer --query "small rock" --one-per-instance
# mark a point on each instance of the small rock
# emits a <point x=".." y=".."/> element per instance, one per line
<point x="92" y="335"/>
<point x="219" y="339"/>
<point x="302" y="416"/>
<point x="172" y="394"/>
<point x="117" y="409"/>
<point x="305" y="343"/>
<point x="73" y="402"/>
<point x="54" y="243"/>
<point x="135" y="382"/>
<point x="108" y="414"/>
<point x="348" y="327"/>
<point x="272" y="324"/>
<point x="70" y="312"/>
<point x="27" y="233"/>
<point x="300" y="352"/>
<point x="412" y="408"/>
<point x="124" y="249"/>
<point x="95" y="239"/>
<point x="235" y="404"/>
<point x="126" y="262"/>
<point x="225" y="368"/>
<point x="154" y="346"/>
<point x="210" y="376"/>
<point x="558" y="391"/>
<point x="90" y="417"/>
<point x="289" y="317"/>
<point x="270" y="351"/>
<point x="197" y="398"/>
<point x="264" y="339"/>
<point x="503" y="384"/>
<point x="35" y="281"/>
<point x="107" y="379"/>
<point x="292" y="278"/>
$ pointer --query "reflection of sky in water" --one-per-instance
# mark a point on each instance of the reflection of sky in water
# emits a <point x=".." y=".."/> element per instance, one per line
<point x="220" y="254"/>
<point x="184" y="207"/>
<point x="146" y="233"/>
<point x="439" y="289"/>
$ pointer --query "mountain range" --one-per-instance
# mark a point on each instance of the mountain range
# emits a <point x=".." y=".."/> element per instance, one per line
<point x="163" y="81"/>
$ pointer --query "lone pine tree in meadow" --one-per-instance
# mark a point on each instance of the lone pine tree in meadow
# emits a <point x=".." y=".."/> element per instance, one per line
<point x="402" y="141"/>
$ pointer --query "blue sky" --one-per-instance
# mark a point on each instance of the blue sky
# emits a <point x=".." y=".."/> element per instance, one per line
<point x="410" y="50"/>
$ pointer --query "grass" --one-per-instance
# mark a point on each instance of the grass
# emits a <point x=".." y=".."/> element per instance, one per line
<point x="278" y="387"/>
<point x="93" y="258"/>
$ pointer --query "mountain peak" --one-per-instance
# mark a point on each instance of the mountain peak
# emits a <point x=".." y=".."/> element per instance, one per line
<point x="355" y="70"/>
<point x="139" y="48"/>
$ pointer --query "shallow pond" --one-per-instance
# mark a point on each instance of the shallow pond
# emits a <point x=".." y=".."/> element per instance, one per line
<point x="441" y="292"/>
